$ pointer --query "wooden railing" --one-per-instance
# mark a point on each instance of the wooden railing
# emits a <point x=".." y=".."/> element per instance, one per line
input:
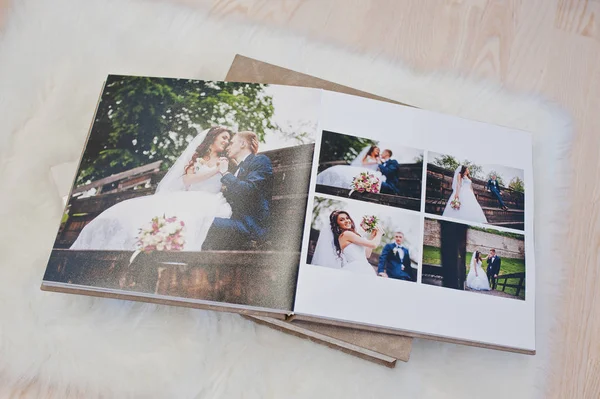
<point x="504" y="283"/>
<point x="125" y="180"/>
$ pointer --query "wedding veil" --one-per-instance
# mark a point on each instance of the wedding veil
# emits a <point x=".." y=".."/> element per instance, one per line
<point x="455" y="179"/>
<point x="325" y="253"/>
<point x="173" y="180"/>
<point x="358" y="160"/>
<point x="473" y="263"/>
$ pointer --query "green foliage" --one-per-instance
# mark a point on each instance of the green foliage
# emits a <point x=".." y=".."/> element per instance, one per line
<point x="140" y="120"/>
<point x="338" y="147"/>
<point x="451" y="163"/>
<point x="498" y="177"/>
<point x="419" y="159"/>
<point x="517" y="184"/>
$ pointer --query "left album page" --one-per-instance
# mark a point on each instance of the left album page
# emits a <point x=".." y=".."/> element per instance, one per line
<point x="190" y="193"/>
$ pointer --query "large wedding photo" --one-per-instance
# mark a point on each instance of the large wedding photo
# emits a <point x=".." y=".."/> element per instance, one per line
<point x="363" y="238"/>
<point x="475" y="259"/>
<point x="369" y="170"/>
<point x="475" y="192"/>
<point x="191" y="189"/>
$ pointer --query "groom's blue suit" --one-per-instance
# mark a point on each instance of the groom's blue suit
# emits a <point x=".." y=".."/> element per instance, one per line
<point x="392" y="264"/>
<point x="249" y="194"/>
<point x="389" y="169"/>
<point x="494" y="188"/>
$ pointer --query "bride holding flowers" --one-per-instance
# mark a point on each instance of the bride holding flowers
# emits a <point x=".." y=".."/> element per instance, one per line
<point x="341" y="246"/>
<point x="362" y="173"/>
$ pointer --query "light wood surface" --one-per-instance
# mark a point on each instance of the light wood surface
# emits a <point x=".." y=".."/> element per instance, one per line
<point x="550" y="47"/>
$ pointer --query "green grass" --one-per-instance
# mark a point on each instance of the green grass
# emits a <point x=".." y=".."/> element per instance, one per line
<point x="432" y="255"/>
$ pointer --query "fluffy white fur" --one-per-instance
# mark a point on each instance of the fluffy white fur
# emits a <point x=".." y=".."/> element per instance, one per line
<point x="55" y="56"/>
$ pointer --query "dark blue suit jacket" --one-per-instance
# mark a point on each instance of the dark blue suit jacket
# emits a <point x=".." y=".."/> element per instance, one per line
<point x="493" y="185"/>
<point x="494" y="266"/>
<point x="392" y="265"/>
<point x="390" y="170"/>
<point x="249" y="195"/>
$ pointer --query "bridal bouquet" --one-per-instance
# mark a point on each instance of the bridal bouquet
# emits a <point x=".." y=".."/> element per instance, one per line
<point x="455" y="204"/>
<point x="369" y="223"/>
<point x="160" y="234"/>
<point x="365" y="183"/>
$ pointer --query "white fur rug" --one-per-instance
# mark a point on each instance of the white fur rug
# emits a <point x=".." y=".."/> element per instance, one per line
<point x="55" y="56"/>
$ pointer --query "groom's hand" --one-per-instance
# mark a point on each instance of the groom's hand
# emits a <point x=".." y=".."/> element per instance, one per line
<point x="383" y="274"/>
<point x="223" y="165"/>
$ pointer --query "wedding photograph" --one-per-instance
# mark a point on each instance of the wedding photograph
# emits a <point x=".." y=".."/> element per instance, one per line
<point x="191" y="189"/>
<point x="469" y="258"/>
<point x="369" y="170"/>
<point x="475" y="192"/>
<point x="364" y="238"/>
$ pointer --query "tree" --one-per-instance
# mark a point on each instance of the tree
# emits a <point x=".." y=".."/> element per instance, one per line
<point x="446" y="162"/>
<point x="140" y="120"/>
<point x="340" y="147"/>
<point x="517" y="184"/>
<point x="451" y="163"/>
<point x="498" y="177"/>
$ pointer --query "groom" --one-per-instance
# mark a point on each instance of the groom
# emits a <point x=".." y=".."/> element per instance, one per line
<point x="389" y="168"/>
<point x="248" y="190"/>
<point x="494" y="262"/>
<point x="394" y="261"/>
<point x="494" y="188"/>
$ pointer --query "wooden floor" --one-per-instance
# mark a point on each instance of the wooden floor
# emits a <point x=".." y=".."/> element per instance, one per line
<point x="542" y="46"/>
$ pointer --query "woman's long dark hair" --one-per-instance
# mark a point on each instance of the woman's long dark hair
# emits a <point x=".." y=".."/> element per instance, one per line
<point x="478" y="256"/>
<point x="337" y="230"/>
<point x="370" y="152"/>
<point x="204" y="148"/>
<point x="463" y="170"/>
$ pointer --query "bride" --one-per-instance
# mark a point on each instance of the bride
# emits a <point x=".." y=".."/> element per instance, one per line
<point x="190" y="191"/>
<point x="341" y="246"/>
<point x="342" y="175"/>
<point x="477" y="279"/>
<point x="462" y="190"/>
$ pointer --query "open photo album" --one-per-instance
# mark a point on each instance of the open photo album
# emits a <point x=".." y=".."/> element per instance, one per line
<point x="303" y="204"/>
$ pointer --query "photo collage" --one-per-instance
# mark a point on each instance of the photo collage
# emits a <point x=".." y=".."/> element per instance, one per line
<point x="390" y="211"/>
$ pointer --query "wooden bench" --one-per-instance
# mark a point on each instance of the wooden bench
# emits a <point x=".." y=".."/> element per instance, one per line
<point x="256" y="278"/>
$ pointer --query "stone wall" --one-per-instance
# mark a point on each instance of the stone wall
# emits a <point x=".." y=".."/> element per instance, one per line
<point x="478" y="240"/>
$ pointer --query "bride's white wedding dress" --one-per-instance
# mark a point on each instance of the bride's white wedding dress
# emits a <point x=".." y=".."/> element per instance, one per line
<point x="341" y="176"/>
<point x="477" y="281"/>
<point x="197" y="205"/>
<point x="353" y="258"/>
<point x="356" y="260"/>
<point x="117" y="227"/>
<point x="469" y="210"/>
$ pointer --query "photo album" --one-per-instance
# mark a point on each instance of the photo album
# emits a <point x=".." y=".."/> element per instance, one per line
<point x="305" y="205"/>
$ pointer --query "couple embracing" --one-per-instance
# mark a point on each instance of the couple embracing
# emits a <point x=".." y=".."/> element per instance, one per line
<point x="371" y="160"/>
<point x="219" y="189"/>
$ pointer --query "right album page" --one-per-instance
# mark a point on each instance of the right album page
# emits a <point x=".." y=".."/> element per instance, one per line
<point x="419" y="222"/>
